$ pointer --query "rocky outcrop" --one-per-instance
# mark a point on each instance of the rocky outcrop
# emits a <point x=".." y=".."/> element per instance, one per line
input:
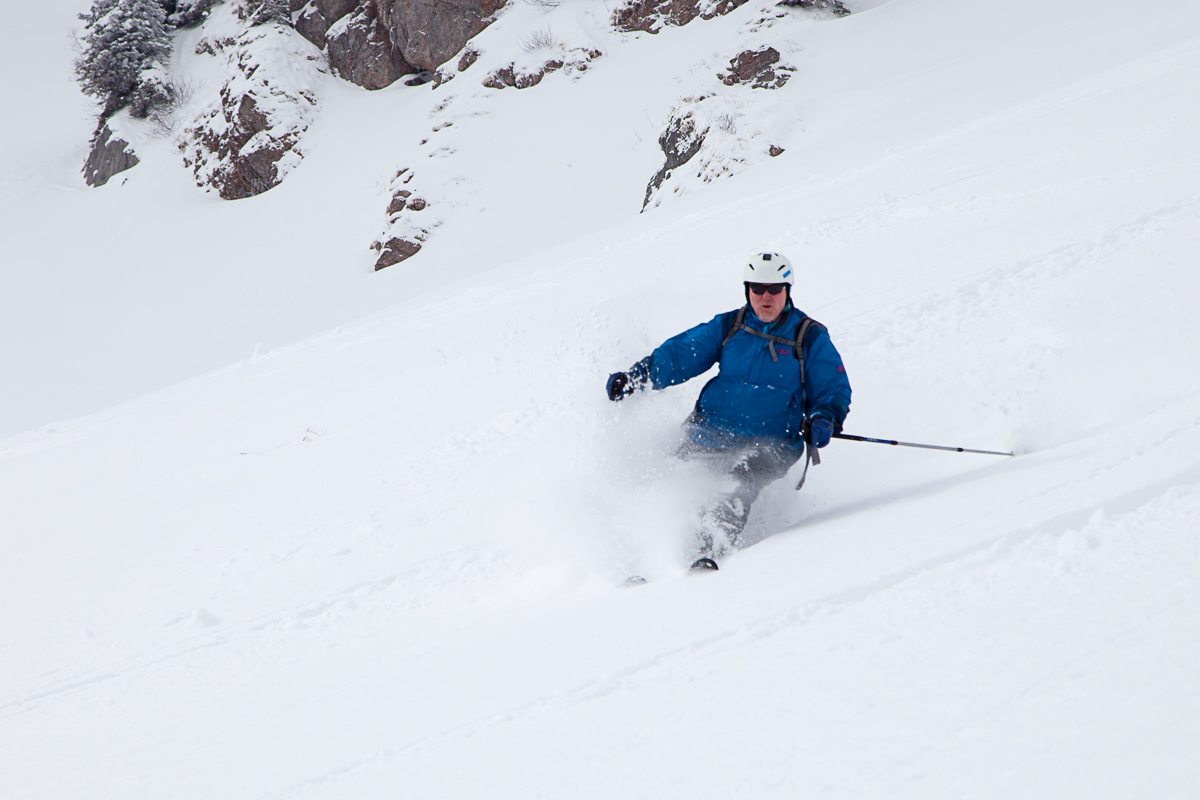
<point x="430" y="32"/>
<point x="360" y="51"/>
<point x="679" y="142"/>
<point x="109" y="156"/>
<point x="373" y="43"/>
<point x="408" y="223"/>
<point x="243" y="170"/>
<point x="246" y="143"/>
<point x="757" y="68"/>
<point x="651" y="15"/>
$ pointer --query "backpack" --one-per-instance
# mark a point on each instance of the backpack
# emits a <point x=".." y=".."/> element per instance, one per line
<point x="806" y="323"/>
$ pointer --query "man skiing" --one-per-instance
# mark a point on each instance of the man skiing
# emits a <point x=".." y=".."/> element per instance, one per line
<point x="772" y="394"/>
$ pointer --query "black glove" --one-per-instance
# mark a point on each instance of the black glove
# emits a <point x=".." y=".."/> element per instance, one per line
<point x="618" y="386"/>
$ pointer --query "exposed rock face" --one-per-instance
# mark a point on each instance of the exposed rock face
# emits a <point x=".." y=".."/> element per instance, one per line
<point x="245" y="171"/>
<point x="375" y="42"/>
<point x="335" y="9"/>
<point x="312" y="25"/>
<point x="109" y="156"/>
<point x="651" y="15"/>
<point x="395" y="251"/>
<point x="430" y="32"/>
<point x="360" y="51"/>
<point x="317" y="16"/>
<point x="680" y="142"/>
<point x="247" y="142"/>
<point x="757" y="68"/>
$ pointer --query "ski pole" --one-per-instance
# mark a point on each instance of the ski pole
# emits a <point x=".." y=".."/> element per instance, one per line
<point x="912" y="444"/>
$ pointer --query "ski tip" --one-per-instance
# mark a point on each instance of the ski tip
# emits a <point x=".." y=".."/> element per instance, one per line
<point x="703" y="565"/>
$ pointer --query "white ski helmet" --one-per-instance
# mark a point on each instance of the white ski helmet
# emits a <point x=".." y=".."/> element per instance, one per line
<point x="769" y="268"/>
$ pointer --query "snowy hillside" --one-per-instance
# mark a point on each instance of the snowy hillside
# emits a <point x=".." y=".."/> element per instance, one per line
<point x="381" y="553"/>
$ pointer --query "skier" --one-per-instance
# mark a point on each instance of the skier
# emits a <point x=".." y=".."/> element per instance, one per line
<point x="772" y="394"/>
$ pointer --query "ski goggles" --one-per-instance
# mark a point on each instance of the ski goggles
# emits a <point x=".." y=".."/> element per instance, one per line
<point x="770" y="288"/>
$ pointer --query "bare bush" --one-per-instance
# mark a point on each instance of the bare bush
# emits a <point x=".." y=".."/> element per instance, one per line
<point x="540" y="39"/>
<point x="162" y="118"/>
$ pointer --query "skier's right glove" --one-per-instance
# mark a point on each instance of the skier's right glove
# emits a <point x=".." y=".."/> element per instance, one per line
<point x="618" y="386"/>
<point x="622" y="384"/>
<point x="821" y="432"/>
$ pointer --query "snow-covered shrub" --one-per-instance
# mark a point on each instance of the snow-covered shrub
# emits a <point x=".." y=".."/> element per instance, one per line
<point x="186" y="13"/>
<point x="126" y="46"/>
<point x="154" y="95"/>
<point x="260" y="12"/>
<point x="835" y="7"/>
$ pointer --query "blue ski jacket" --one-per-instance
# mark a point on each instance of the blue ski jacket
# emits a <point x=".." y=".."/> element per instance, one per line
<point x="753" y="395"/>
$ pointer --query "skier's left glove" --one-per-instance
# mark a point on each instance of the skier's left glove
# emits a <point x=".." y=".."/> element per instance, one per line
<point x="820" y="432"/>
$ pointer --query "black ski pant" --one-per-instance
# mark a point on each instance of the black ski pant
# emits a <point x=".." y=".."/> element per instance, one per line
<point x="749" y="467"/>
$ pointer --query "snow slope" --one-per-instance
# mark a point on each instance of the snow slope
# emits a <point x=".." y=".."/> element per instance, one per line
<point x="384" y="560"/>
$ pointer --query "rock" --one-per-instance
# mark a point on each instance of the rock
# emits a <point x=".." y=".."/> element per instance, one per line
<point x="756" y="67"/>
<point x="395" y="251"/>
<point x="373" y="43"/>
<point x="312" y="25"/>
<point x="749" y="64"/>
<point x="333" y="10"/>
<point x="416" y="204"/>
<point x="469" y="57"/>
<point x="430" y="32"/>
<point x="651" y="15"/>
<point x="399" y="200"/>
<point x="360" y="51"/>
<point x="775" y="151"/>
<point x="679" y="142"/>
<point x="575" y="60"/>
<point x="109" y="155"/>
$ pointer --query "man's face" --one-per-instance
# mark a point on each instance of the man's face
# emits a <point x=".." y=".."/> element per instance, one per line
<point x="767" y="306"/>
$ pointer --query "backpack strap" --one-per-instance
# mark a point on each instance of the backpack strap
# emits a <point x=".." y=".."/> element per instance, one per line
<point x="810" y="453"/>
<point x="739" y="322"/>
<point x="798" y="348"/>
<point x="806" y="323"/>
